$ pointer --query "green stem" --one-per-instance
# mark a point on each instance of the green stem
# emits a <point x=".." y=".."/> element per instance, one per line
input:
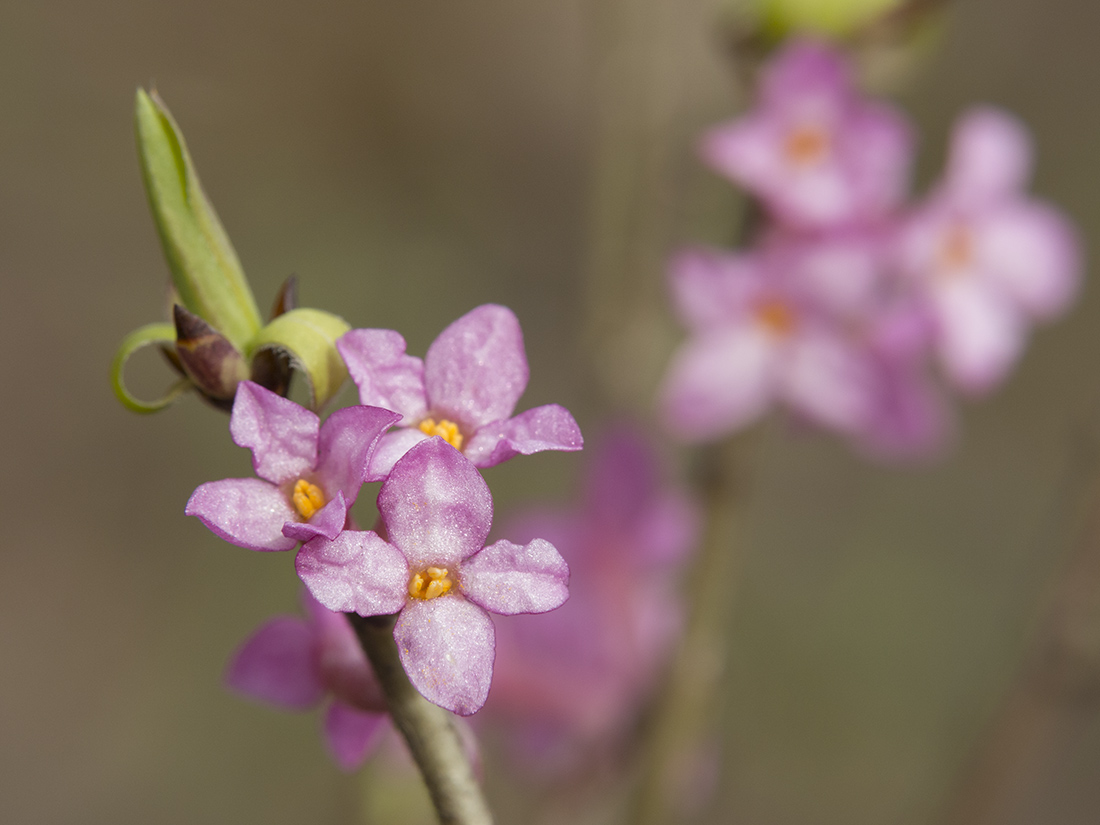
<point x="428" y="729"/>
<point x="686" y="708"/>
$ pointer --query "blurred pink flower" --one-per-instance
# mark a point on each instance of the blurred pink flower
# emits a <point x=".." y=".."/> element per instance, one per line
<point x="758" y="337"/>
<point x="577" y="677"/>
<point x="812" y="150"/>
<point x="987" y="259"/>
<point x="295" y="663"/>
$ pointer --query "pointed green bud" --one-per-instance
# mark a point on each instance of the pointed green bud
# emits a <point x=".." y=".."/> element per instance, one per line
<point x="835" y="18"/>
<point x="308" y="337"/>
<point x="205" y="269"/>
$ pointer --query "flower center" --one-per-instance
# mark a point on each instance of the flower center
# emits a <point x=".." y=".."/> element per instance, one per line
<point x="444" y="428"/>
<point x="957" y="249"/>
<point x="308" y="498"/>
<point x="776" y="316"/>
<point x="430" y="583"/>
<point x="806" y="145"/>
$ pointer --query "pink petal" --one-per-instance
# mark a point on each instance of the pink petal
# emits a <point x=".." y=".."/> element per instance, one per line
<point x="806" y="70"/>
<point x="436" y="506"/>
<point x="828" y="380"/>
<point x="719" y="382"/>
<point x="281" y="435"/>
<point x="550" y="427"/>
<point x="248" y="512"/>
<point x="391" y="447"/>
<point x="711" y="288"/>
<point x="990" y="156"/>
<point x="385" y="375"/>
<point x="1031" y="250"/>
<point x="352" y="734"/>
<point x="278" y="665"/>
<point x="347" y="441"/>
<point x="447" y="646"/>
<point x="980" y="334"/>
<point x="511" y="578"/>
<point x="476" y="370"/>
<point x="344" y="668"/>
<point x="326" y="522"/>
<point x="358" y="572"/>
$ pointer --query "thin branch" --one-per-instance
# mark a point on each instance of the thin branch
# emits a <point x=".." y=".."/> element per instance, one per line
<point x="428" y="729"/>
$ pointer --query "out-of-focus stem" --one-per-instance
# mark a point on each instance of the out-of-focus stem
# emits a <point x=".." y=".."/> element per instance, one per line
<point x="428" y="729"/>
<point x="686" y="708"/>
<point x="1044" y="712"/>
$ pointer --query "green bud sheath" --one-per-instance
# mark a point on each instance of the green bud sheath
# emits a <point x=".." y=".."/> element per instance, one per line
<point x="205" y="269"/>
<point x="308" y="337"/>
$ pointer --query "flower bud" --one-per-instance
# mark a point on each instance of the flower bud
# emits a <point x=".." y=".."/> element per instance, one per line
<point x="212" y="363"/>
<point x="205" y="269"/>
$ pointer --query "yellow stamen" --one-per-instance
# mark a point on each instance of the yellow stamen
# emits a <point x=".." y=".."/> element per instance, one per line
<point x="308" y="498"/>
<point x="777" y="316"/>
<point x="430" y="583"/>
<point x="448" y="430"/>
<point x="806" y="144"/>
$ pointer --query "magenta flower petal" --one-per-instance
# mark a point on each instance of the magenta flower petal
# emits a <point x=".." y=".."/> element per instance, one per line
<point x="990" y="156"/>
<point x="550" y="427"/>
<point x="326" y="522"/>
<point x="476" y="370"/>
<point x="281" y="434"/>
<point x="828" y="380"/>
<point x="1032" y="252"/>
<point x="980" y="334"/>
<point x="710" y="288"/>
<point x="277" y="664"/>
<point x="391" y="447"/>
<point x="346" y="442"/>
<point x="447" y="647"/>
<point x="511" y="578"/>
<point x="718" y="382"/>
<point x="436" y="506"/>
<point x="358" y="572"/>
<point x="352" y="734"/>
<point x="248" y="512"/>
<point x="385" y="375"/>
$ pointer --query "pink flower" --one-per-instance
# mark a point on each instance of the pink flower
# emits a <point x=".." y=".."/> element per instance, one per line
<point x="581" y="673"/>
<point x="987" y="259"/>
<point x="465" y="390"/>
<point x="436" y="571"/>
<point x="813" y="151"/>
<point x="294" y="663"/>
<point x="309" y="473"/>
<point x="758" y="337"/>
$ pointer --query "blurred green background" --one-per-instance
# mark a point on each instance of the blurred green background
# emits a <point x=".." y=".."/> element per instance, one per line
<point x="409" y="161"/>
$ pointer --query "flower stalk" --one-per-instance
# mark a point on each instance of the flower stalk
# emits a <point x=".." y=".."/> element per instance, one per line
<point x="428" y="729"/>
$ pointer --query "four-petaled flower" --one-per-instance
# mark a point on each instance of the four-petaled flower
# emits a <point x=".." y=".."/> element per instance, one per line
<point x="464" y="390"/>
<point x="435" y="570"/>
<point x="815" y="153"/>
<point x="309" y="473"/>
<point x="987" y="258"/>
<point x="295" y="663"/>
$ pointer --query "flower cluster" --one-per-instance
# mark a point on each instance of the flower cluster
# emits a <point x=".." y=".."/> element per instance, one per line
<point x="570" y="685"/>
<point x="426" y="560"/>
<point x="849" y="294"/>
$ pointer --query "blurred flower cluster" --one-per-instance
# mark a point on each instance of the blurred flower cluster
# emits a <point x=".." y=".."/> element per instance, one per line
<point x="850" y="293"/>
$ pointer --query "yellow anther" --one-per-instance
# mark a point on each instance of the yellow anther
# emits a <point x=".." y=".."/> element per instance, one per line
<point x="448" y="430"/>
<point x="430" y="583"/>
<point x="777" y="316"/>
<point x="806" y="144"/>
<point x="308" y="498"/>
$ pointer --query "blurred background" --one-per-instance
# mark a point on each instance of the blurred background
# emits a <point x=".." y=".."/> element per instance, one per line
<point x="409" y="161"/>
